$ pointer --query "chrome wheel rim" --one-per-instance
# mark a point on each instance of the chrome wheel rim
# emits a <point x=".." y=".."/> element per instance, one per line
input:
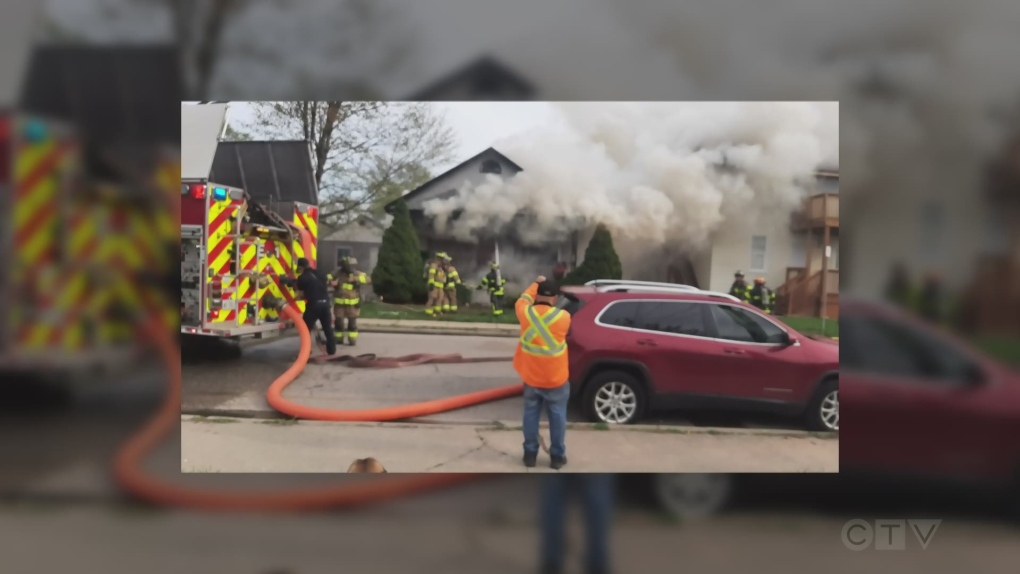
<point x="695" y="495"/>
<point x="615" y="403"/>
<point x="829" y="410"/>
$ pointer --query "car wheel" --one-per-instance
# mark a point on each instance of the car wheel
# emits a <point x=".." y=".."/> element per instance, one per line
<point x="823" y="411"/>
<point x="692" y="496"/>
<point x="614" y="397"/>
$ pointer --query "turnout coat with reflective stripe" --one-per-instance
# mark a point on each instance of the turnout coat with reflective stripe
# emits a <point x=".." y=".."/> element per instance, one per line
<point x="541" y="357"/>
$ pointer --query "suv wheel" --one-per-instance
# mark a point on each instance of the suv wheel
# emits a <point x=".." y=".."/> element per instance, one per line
<point x="691" y="496"/>
<point x="614" y="397"/>
<point x="823" y="411"/>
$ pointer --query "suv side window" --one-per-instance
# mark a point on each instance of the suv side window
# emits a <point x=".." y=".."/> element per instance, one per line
<point x="672" y="317"/>
<point x="619" y="314"/>
<point x="736" y="324"/>
<point x="884" y="347"/>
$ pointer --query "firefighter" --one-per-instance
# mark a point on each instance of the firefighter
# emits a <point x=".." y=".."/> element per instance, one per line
<point x="761" y="296"/>
<point x="452" y="280"/>
<point x="930" y="302"/>
<point x="740" y="289"/>
<point x="899" y="289"/>
<point x="494" y="284"/>
<point x="312" y="288"/>
<point x="436" y="277"/>
<point x="347" y="300"/>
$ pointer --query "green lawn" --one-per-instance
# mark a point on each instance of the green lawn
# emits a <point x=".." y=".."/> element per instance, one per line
<point x="812" y="325"/>
<point x="471" y="314"/>
<point x="1004" y="349"/>
<point x="481" y="314"/>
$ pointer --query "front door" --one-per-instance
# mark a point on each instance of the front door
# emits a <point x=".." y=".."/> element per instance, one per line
<point x="756" y="364"/>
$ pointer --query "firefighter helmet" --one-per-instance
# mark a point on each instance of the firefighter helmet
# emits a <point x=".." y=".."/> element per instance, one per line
<point x="739" y="273"/>
<point x="494" y="265"/>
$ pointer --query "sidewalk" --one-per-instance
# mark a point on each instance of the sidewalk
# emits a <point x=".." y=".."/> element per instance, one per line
<point x="219" y="444"/>
<point x="413" y="327"/>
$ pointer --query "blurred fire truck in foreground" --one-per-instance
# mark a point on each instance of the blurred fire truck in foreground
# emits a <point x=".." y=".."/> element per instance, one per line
<point x="238" y="255"/>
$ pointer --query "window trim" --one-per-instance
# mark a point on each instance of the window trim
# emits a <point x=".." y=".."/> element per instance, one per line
<point x="491" y="162"/>
<point x="764" y="258"/>
<point x="598" y="322"/>
<point x="339" y="257"/>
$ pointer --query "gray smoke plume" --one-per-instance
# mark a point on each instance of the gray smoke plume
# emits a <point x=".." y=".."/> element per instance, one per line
<point x="654" y="173"/>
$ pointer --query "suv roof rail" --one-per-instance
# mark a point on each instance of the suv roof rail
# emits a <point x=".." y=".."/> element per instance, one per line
<point x="604" y="282"/>
<point x="681" y="289"/>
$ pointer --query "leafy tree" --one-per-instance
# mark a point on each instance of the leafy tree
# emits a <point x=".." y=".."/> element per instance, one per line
<point x="397" y="277"/>
<point x="365" y="153"/>
<point x="224" y="47"/>
<point x="600" y="260"/>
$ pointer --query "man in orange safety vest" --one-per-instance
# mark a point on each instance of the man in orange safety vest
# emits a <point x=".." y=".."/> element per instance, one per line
<point x="541" y="361"/>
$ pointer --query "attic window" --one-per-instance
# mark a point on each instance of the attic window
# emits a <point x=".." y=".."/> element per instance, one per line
<point x="491" y="166"/>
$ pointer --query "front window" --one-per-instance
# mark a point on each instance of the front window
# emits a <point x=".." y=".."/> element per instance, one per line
<point x="736" y="324"/>
<point x="884" y="347"/>
<point x="758" y="246"/>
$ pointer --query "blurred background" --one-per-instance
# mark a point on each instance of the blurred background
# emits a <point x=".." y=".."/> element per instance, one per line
<point x="929" y="282"/>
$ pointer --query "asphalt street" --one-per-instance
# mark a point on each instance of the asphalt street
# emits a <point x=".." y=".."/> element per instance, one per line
<point x="225" y="378"/>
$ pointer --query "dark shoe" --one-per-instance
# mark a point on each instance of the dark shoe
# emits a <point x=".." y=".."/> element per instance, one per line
<point x="530" y="459"/>
<point x="352" y="342"/>
<point x="558" y="462"/>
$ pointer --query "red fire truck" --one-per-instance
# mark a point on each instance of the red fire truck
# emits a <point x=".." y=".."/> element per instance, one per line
<point x="236" y="253"/>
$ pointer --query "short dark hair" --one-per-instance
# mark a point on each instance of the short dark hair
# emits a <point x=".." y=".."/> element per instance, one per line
<point x="302" y="262"/>
<point x="548" y="288"/>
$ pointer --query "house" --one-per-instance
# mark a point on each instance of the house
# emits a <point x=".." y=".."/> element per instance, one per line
<point x="788" y="251"/>
<point x="359" y="238"/>
<point x="482" y="79"/>
<point x="472" y="259"/>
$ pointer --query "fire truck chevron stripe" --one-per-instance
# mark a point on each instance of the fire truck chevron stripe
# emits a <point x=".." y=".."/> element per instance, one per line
<point x="35" y="187"/>
<point x="308" y="222"/>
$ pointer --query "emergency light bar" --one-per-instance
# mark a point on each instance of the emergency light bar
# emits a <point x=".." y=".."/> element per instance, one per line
<point x="198" y="191"/>
<point x="34" y="131"/>
<point x="219" y="193"/>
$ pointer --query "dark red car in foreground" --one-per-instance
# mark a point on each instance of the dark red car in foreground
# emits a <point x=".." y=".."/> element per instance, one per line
<point x="637" y="347"/>
<point x="924" y="403"/>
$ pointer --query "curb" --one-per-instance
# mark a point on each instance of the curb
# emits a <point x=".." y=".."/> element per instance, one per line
<point x="498" y="426"/>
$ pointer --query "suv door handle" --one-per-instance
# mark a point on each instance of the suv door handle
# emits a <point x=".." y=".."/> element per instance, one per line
<point x="732" y="351"/>
<point x="647" y="342"/>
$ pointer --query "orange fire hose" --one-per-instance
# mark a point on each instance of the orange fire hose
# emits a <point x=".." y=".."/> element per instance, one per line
<point x="129" y="474"/>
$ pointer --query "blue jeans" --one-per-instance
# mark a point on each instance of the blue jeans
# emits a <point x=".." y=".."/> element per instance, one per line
<point x="597" y="495"/>
<point x="555" y="401"/>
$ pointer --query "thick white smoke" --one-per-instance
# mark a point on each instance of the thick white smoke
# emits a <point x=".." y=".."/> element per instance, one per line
<point x="656" y="173"/>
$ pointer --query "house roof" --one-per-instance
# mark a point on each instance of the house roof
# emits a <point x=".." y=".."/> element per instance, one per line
<point x="827" y="172"/>
<point x="268" y="170"/>
<point x="113" y="95"/>
<point x="421" y="188"/>
<point x="485" y="75"/>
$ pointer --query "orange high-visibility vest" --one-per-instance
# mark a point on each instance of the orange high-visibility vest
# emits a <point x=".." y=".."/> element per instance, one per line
<point x="541" y="356"/>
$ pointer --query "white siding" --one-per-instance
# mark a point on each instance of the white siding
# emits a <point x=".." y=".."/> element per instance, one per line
<point x="731" y="250"/>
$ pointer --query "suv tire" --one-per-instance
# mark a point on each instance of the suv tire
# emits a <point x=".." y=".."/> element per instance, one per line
<point x="623" y="390"/>
<point x="693" y="495"/>
<point x="820" y="409"/>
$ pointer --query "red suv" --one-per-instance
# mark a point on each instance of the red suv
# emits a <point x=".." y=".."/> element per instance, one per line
<point x="636" y="348"/>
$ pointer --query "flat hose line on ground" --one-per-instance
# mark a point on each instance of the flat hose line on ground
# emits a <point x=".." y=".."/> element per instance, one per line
<point x="128" y="464"/>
